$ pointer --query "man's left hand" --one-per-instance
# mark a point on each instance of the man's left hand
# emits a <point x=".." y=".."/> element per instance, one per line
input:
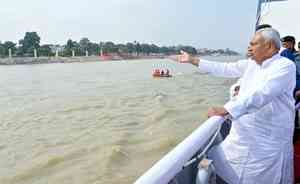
<point x="217" y="111"/>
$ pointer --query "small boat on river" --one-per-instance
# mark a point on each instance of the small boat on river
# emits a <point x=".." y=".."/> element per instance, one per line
<point x="161" y="73"/>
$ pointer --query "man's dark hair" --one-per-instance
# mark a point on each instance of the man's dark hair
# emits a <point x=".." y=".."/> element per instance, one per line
<point x="288" y="39"/>
<point x="262" y="26"/>
<point x="299" y="45"/>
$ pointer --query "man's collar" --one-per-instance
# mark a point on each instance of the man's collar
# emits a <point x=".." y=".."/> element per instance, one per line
<point x="268" y="61"/>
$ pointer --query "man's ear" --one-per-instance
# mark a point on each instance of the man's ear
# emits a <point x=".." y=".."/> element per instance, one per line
<point x="269" y="45"/>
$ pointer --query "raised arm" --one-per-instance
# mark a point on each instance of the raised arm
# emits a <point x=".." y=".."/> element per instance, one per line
<point x="221" y="69"/>
<point x="232" y="70"/>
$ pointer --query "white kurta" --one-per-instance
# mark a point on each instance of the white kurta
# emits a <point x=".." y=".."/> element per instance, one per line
<point x="258" y="149"/>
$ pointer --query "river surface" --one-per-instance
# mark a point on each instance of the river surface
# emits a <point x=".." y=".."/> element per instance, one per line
<point x="97" y="122"/>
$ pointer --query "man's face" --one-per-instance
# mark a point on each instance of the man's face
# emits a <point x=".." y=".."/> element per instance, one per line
<point x="288" y="45"/>
<point x="258" y="48"/>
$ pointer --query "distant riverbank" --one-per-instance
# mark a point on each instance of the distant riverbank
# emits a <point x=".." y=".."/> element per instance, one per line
<point x="49" y="60"/>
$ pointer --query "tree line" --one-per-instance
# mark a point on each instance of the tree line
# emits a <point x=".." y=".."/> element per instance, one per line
<point x="31" y="41"/>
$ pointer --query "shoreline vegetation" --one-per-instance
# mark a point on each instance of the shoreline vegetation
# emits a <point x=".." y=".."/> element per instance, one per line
<point x="29" y="51"/>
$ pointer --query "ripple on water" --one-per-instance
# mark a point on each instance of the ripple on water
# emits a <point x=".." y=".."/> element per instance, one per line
<point x="81" y="108"/>
<point x="45" y="165"/>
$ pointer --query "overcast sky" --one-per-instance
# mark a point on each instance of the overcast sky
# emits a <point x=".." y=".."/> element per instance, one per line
<point x="200" y="23"/>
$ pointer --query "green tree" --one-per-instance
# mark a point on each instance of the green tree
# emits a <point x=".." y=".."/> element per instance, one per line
<point x="154" y="48"/>
<point x="138" y="48"/>
<point x="2" y="50"/>
<point x="145" y="48"/>
<point x="130" y="47"/>
<point x="109" y="47"/>
<point x="122" y="48"/>
<point x="70" y="46"/>
<point x="9" y="45"/>
<point x="94" y="49"/>
<point x="164" y="50"/>
<point x="45" y="50"/>
<point x="85" y="44"/>
<point x="30" y="42"/>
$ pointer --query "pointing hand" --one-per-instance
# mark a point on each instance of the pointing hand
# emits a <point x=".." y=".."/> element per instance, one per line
<point x="185" y="57"/>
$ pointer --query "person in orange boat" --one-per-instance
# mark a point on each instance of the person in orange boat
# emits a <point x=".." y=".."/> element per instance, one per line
<point x="156" y="72"/>
<point x="167" y="73"/>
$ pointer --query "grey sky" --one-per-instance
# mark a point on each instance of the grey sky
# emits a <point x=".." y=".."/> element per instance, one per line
<point x="211" y="23"/>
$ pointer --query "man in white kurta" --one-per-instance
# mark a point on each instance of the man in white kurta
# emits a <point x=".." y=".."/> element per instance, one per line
<point x="258" y="149"/>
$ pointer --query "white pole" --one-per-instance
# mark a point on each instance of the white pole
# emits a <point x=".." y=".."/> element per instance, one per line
<point x="35" y="53"/>
<point x="73" y="53"/>
<point x="86" y="53"/>
<point x="9" y="53"/>
<point x="56" y="53"/>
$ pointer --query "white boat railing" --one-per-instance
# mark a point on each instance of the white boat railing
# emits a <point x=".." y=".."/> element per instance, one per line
<point x="172" y="163"/>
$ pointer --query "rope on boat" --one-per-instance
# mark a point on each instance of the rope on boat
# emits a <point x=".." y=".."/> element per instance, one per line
<point x="202" y="154"/>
